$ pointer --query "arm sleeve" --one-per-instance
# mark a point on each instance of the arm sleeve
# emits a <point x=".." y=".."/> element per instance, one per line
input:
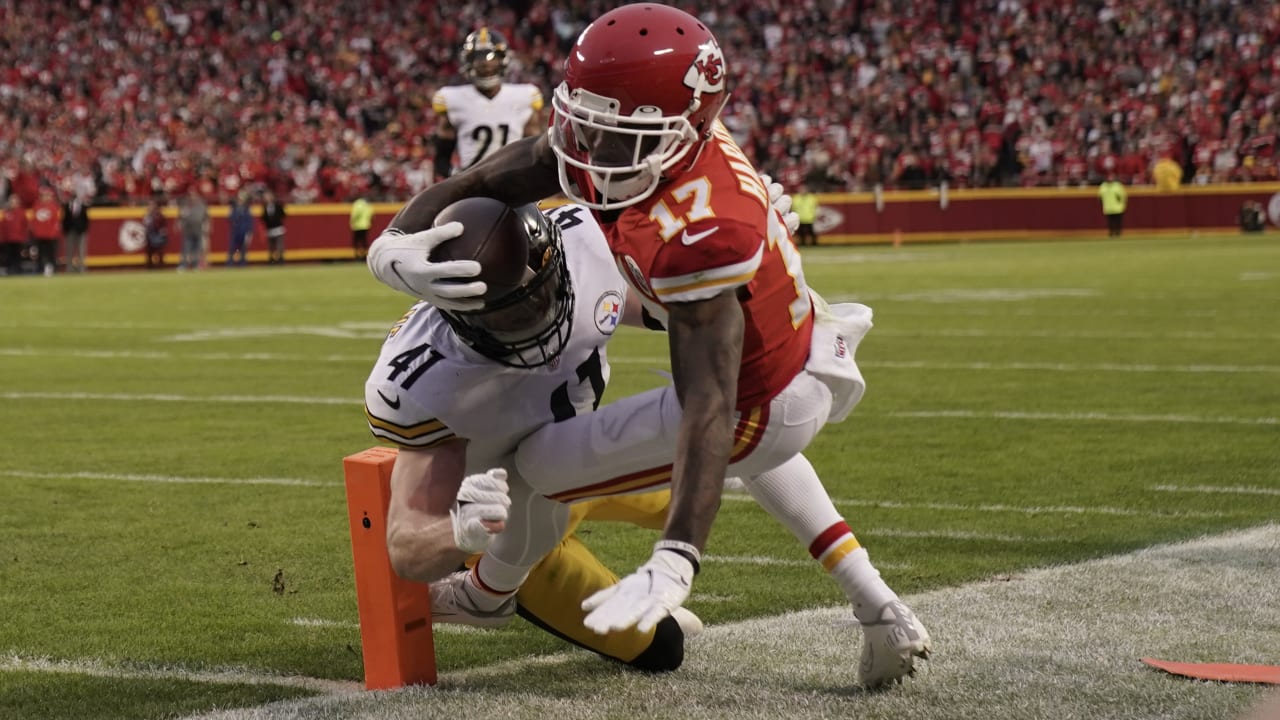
<point x="444" y="156"/>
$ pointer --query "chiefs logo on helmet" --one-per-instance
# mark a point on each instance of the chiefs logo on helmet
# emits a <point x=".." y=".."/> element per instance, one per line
<point x="707" y="72"/>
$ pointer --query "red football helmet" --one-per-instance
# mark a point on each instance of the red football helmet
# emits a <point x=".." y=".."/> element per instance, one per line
<point x="643" y="87"/>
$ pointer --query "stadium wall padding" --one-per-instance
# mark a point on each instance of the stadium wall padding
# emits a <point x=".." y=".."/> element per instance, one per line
<point x="321" y="232"/>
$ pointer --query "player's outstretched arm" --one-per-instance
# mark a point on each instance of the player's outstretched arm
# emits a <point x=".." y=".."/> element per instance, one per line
<point x="518" y="174"/>
<point x="706" y="353"/>
<point x="437" y="518"/>
<point x="446" y="141"/>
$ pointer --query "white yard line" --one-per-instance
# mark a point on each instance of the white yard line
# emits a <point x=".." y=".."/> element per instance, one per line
<point x="1061" y="643"/>
<point x="760" y="560"/>
<point x="728" y="496"/>
<point x="169" y="397"/>
<point x="322" y="623"/>
<point x="1084" y="417"/>
<point x="167" y="355"/>
<point x="241" y="676"/>
<point x="1061" y="334"/>
<point x="766" y="561"/>
<point x="174" y="479"/>
<point x="932" y="414"/>
<point x="964" y="535"/>
<point x="1074" y="367"/>
<point x="659" y="360"/>
<point x="1216" y="490"/>
<point x="998" y="508"/>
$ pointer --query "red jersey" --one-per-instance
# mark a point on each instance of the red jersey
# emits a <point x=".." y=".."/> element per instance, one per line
<point x="710" y="230"/>
<point x="13" y="225"/>
<point x="46" y="220"/>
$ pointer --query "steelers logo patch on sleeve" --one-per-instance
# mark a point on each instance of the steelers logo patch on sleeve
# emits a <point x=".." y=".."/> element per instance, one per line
<point x="608" y="312"/>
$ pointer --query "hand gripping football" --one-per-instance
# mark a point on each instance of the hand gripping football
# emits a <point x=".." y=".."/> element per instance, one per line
<point x="493" y="235"/>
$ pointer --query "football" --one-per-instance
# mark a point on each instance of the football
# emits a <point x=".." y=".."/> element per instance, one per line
<point x="492" y="234"/>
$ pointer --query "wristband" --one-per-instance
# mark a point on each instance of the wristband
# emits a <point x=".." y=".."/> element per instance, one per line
<point x="687" y="550"/>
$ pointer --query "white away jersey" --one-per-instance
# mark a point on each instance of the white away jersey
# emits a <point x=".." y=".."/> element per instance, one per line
<point x="485" y="124"/>
<point x="428" y="386"/>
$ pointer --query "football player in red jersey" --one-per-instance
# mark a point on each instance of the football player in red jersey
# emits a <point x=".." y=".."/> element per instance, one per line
<point x="759" y="362"/>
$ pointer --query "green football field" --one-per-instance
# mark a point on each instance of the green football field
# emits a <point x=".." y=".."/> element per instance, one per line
<point x="173" y="536"/>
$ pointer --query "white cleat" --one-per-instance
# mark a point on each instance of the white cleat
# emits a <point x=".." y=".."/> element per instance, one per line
<point x="890" y="646"/>
<point x="450" y="603"/>
<point x="690" y="624"/>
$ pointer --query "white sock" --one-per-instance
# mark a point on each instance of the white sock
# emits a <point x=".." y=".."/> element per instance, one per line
<point x="483" y="597"/>
<point x="862" y="584"/>
<point x="535" y="526"/>
<point x="794" y="495"/>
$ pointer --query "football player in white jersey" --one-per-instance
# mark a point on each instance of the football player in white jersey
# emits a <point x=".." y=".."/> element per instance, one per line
<point x="486" y="114"/>
<point x="456" y="391"/>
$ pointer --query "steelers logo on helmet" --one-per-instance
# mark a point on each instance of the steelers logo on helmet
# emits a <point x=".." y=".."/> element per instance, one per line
<point x="525" y="324"/>
<point x="643" y="86"/>
<point x="483" y="59"/>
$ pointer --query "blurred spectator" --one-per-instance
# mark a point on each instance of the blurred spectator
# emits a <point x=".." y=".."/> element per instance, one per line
<point x="273" y="223"/>
<point x="361" y="221"/>
<point x="15" y="231"/>
<point x="46" y="230"/>
<point x="157" y="230"/>
<point x="240" y="227"/>
<point x="1252" y="218"/>
<point x="1167" y="174"/>
<point x="1114" y="199"/>
<point x="805" y="205"/>
<point x="75" y="226"/>
<point x="193" y="224"/>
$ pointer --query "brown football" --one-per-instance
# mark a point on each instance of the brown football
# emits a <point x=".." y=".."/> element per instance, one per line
<point x="492" y="234"/>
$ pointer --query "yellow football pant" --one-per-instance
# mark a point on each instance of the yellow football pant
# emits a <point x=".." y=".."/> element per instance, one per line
<point x="552" y="595"/>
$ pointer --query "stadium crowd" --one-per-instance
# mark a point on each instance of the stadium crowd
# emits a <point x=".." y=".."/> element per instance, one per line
<point x="121" y="100"/>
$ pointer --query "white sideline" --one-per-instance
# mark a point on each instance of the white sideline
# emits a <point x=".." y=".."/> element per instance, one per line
<point x="1059" y="643"/>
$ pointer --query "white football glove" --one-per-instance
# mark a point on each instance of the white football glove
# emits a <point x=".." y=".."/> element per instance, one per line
<point x="642" y="598"/>
<point x="782" y="203"/>
<point x="480" y="511"/>
<point x="402" y="262"/>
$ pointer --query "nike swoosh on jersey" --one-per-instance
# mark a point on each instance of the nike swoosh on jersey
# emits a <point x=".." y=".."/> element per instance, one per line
<point x="688" y="239"/>
<point x="393" y="404"/>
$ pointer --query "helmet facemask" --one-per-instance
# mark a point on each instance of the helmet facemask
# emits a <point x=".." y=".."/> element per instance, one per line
<point x="527" y="327"/>
<point x="625" y="157"/>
